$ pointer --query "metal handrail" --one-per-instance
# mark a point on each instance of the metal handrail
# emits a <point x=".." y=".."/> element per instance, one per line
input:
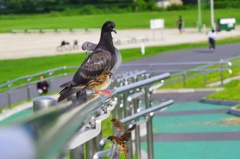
<point x="65" y="119"/>
<point x="183" y="76"/>
<point x="148" y="111"/>
<point x="53" y="30"/>
<point x="50" y="71"/>
<point x="174" y="64"/>
<point x="141" y="83"/>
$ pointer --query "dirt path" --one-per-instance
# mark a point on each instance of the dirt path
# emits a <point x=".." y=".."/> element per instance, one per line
<point x="22" y="45"/>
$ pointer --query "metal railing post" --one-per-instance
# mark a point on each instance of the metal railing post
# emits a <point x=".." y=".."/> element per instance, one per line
<point x="125" y="105"/>
<point x="90" y="149"/>
<point x="150" y="137"/>
<point x="184" y="79"/>
<point x="130" y="148"/>
<point x="114" y="113"/>
<point x="221" y="72"/>
<point x="9" y="95"/>
<point x="41" y="103"/>
<point x="137" y="131"/>
<point x="28" y="93"/>
<point x="97" y="141"/>
<point x="117" y="108"/>
<point x="120" y="105"/>
<point x="204" y="78"/>
<point x="77" y="153"/>
<point x="116" y="83"/>
<point x="120" y="109"/>
<point x="91" y="144"/>
<point x="149" y="125"/>
<point x="50" y="73"/>
<point x="125" y="102"/>
<point x="134" y="100"/>
<point x="28" y="89"/>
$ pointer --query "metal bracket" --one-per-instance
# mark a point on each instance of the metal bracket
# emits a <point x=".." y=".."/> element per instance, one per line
<point x="86" y="135"/>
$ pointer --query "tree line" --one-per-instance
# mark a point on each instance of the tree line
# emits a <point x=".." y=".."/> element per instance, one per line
<point x="45" y="6"/>
<point x="99" y="6"/>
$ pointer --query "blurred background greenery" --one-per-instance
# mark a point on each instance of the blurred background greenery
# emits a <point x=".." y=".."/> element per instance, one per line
<point x="71" y="7"/>
<point x="67" y="14"/>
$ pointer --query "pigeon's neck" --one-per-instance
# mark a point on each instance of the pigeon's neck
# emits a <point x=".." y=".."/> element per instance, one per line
<point x="106" y="40"/>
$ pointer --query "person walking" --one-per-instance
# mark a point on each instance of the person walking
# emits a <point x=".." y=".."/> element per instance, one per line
<point x="42" y="86"/>
<point x="211" y="39"/>
<point x="180" y="24"/>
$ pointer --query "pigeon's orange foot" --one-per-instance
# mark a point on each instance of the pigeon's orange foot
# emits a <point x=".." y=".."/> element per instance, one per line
<point x="104" y="92"/>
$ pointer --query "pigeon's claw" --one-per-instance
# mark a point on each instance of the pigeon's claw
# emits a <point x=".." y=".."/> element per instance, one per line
<point x="104" y="92"/>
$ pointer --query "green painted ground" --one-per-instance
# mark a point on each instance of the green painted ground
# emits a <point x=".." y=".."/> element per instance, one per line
<point x="16" y="116"/>
<point x="194" y="123"/>
<point x="195" y="150"/>
<point x="193" y="106"/>
<point x="217" y="122"/>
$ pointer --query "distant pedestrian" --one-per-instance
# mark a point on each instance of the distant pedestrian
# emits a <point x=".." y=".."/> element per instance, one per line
<point x="75" y="44"/>
<point x="211" y="39"/>
<point x="180" y="24"/>
<point x="42" y="86"/>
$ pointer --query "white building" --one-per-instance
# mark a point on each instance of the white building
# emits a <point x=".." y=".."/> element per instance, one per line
<point x="165" y="3"/>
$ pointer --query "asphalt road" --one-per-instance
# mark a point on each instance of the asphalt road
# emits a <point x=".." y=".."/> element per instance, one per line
<point x="191" y="55"/>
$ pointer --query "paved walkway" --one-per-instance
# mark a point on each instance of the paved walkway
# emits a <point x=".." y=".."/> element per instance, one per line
<point x="22" y="45"/>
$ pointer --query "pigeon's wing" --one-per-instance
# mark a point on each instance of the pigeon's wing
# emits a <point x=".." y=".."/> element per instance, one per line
<point x="93" y="66"/>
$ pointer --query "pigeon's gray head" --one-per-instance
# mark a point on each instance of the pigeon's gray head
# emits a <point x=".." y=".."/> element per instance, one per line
<point x="88" y="46"/>
<point x="109" y="26"/>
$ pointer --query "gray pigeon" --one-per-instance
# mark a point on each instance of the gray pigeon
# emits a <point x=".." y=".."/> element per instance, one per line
<point x="96" y="70"/>
<point x="88" y="46"/>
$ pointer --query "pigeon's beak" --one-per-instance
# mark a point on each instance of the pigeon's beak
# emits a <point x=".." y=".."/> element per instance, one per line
<point x="114" y="30"/>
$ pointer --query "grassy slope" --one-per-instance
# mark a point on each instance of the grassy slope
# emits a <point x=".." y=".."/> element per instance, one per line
<point x="123" y="21"/>
<point x="231" y="92"/>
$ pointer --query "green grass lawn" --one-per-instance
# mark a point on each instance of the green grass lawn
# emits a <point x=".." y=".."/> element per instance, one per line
<point x="123" y="21"/>
<point x="231" y="92"/>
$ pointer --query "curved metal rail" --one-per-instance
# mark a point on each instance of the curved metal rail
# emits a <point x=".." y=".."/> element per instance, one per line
<point x="53" y="130"/>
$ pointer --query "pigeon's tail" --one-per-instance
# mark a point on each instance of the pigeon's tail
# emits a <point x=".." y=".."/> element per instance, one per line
<point x="67" y="84"/>
<point x="68" y="91"/>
